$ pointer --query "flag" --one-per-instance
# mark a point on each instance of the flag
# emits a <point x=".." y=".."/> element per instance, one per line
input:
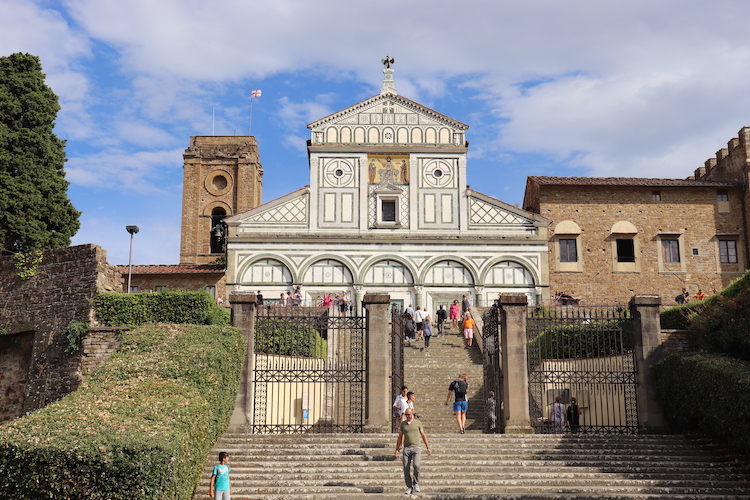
<point x="256" y="93"/>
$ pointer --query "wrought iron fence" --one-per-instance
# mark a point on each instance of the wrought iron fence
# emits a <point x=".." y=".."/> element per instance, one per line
<point x="492" y="370"/>
<point x="583" y="354"/>
<point x="309" y="371"/>
<point x="397" y="356"/>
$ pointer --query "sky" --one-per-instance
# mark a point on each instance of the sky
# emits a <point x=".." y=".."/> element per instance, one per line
<point x="641" y="88"/>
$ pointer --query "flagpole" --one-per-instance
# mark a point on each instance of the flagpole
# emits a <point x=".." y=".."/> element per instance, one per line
<point x="250" y="127"/>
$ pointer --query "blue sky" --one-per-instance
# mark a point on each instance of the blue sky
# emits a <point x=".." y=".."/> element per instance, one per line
<point x="590" y="87"/>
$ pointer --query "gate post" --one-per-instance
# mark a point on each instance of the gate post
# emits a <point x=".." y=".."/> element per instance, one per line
<point x="515" y="371"/>
<point x="648" y="351"/>
<point x="378" y="364"/>
<point x="243" y="317"/>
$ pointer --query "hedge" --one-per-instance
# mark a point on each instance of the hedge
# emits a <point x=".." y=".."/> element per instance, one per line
<point x="133" y="309"/>
<point x="707" y="393"/>
<point x="287" y="337"/>
<point x="139" y="427"/>
<point x="584" y="340"/>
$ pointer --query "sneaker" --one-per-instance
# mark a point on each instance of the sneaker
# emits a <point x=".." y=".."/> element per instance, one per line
<point x="408" y="491"/>
<point x="416" y="487"/>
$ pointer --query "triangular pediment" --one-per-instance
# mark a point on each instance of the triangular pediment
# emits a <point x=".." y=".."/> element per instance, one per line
<point x="290" y="210"/>
<point x="385" y="110"/>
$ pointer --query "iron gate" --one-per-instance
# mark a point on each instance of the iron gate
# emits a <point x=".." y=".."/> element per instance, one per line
<point x="584" y="353"/>
<point x="309" y="371"/>
<point x="492" y="372"/>
<point x="397" y="356"/>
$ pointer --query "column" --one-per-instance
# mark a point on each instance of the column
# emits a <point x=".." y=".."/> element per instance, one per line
<point x="378" y="364"/>
<point x="648" y="351"/>
<point x="514" y="363"/>
<point x="418" y="289"/>
<point x="243" y="317"/>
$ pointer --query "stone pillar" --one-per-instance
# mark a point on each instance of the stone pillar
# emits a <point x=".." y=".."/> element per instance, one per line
<point x="378" y="364"/>
<point x="243" y="317"/>
<point x="479" y="295"/>
<point x="418" y="289"/>
<point x="356" y="309"/>
<point x="515" y="371"/>
<point x="648" y="351"/>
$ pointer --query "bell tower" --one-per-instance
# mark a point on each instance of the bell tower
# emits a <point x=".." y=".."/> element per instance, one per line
<point x="222" y="177"/>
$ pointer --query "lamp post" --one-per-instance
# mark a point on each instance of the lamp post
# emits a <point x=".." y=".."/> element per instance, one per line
<point x="132" y="230"/>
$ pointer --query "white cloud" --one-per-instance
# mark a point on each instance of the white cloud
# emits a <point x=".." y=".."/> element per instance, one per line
<point x="142" y="172"/>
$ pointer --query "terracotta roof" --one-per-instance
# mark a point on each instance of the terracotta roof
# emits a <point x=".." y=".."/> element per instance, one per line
<point x="175" y="269"/>
<point x="627" y="181"/>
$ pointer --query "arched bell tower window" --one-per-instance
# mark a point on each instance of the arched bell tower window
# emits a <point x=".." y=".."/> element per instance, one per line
<point x="218" y="230"/>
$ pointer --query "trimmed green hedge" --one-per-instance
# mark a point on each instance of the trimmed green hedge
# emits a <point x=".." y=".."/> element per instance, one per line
<point x="139" y="428"/>
<point x="132" y="309"/>
<point x="707" y="393"/>
<point x="585" y="340"/>
<point x="286" y="337"/>
<point x="676" y="317"/>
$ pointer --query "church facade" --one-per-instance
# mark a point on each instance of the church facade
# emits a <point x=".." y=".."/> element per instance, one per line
<point x="388" y="210"/>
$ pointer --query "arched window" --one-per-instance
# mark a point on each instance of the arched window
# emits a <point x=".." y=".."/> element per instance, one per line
<point x="218" y="230"/>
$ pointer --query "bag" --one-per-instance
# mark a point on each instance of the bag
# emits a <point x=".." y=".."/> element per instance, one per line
<point x="397" y="413"/>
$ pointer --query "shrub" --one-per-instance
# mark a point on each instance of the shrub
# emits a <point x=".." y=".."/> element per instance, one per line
<point x="287" y="337"/>
<point x="584" y="340"/>
<point x="139" y="428"/>
<point x="133" y="309"/>
<point x="676" y="317"/>
<point x="715" y="400"/>
<point x="720" y="323"/>
<point x="74" y="334"/>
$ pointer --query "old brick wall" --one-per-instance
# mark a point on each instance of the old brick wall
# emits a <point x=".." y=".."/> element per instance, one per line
<point x="687" y="211"/>
<point x="40" y="308"/>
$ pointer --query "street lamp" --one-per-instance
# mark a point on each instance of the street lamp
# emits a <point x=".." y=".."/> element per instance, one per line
<point x="132" y="230"/>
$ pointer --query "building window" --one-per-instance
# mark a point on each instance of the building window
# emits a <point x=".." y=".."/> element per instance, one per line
<point x="670" y="251"/>
<point x="722" y="195"/>
<point x="655" y="195"/>
<point x="568" y="250"/>
<point x="728" y="251"/>
<point x="160" y="288"/>
<point x="211" y="291"/>
<point x="133" y="289"/>
<point x="388" y="211"/>
<point x="625" y="250"/>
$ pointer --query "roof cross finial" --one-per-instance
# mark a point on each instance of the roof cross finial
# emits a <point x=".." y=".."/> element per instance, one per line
<point x="388" y="61"/>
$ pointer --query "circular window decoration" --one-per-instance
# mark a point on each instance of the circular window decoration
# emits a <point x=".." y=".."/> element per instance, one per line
<point x="218" y="182"/>
<point x="438" y="173"/>
<point x="388" y="136"/>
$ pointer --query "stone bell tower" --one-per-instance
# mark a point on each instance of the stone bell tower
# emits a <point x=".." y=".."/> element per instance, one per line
<point x="222" y="177"/>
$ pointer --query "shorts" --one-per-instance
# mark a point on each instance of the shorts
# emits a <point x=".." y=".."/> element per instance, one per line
<point x="468" y="333"/>
<point x="461" y="406"/>
<point x="419" y="327"/>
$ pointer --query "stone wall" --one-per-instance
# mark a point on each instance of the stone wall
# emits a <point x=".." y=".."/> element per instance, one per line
<point x="35" y="370"/>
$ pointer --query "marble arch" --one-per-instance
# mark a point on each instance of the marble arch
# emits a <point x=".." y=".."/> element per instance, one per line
<point x="347" y="269"/>
<point x="247" y="267"/>
<point x="491" y="264"/>
<point x="449" y="258"/>
<point x="374" y="261"/>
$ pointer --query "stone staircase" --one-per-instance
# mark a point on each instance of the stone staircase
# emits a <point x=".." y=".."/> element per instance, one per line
<point x="479" y="466"/>
<point x="475" y="466"/>
<point x="429" y="373"/>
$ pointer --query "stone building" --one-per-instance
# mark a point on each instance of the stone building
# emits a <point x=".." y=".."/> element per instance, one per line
<point x="388" y="211"/>
<point x="222" y="177"/>
<point x="613" y="237"/>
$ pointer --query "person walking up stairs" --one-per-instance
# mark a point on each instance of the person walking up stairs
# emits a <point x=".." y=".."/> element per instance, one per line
<point x="428" y="375"/>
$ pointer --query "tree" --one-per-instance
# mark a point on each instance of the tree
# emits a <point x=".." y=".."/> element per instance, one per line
<point x="35" y="212"/>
